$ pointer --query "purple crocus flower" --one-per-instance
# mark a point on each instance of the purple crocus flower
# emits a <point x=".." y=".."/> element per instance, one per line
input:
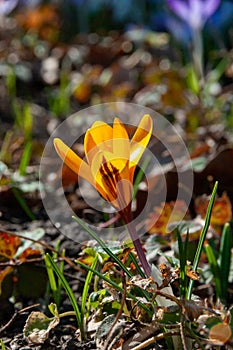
<point x="194" y="12"/>
<point x="6" y="6"/>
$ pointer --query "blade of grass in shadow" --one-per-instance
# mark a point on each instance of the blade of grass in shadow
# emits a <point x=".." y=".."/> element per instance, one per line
<point x="70" y="294"/>
<point x="215" y="270"/>
<point x="61" y="267"/>
<point x="52" y="281"/>
<point x="22" y="203"/>
<point x="134" y="261"/>
<point x="5" y="155"/>
<point x="115" y="285"/>
<point x="109" y="252"/>
<point x="103" y="245"/>
<point x="86" y="286"/>
<point x="225" y="259"/>
<point x="140" y="175"/>
<point x="202" y="238"/>
<point x="55" y="286"/>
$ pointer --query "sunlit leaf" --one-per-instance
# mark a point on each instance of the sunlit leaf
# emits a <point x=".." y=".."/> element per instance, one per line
<point x="220" y="333"/>
<point x="9" y="245"/>
<point x="222" y="209"/>
<point x="160" y="216"/>
<point x="38" y="326"/>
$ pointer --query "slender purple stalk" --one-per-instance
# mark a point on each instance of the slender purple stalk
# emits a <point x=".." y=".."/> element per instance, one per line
<point x="138" y="247"/>
<point x="126" y="216"/>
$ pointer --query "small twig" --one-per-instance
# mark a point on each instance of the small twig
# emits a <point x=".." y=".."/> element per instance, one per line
<point x="3" y="328"/>
<point x="182" y="332"/>
<point x="166" y="296"/>
<point x="109" y="222"/>
<point x="154" y="339"/>
<point x="14" y="263"/>
<point x="69" y="261"/>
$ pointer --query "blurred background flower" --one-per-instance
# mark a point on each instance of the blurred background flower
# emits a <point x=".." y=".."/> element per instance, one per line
<point x="6" y="6"/>
<point x="194" y="12"/>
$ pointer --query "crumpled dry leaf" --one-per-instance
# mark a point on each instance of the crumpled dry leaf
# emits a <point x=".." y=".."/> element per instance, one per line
<point x="107" y="328"/>
<point x="192" y="309"/>
<point x="160" y="216"/>
<point x="9" y="245"/>
<point x="38" y="325"/>
<point x="220" y="333"/>
<point x="12" y="247"/>
<point x="222" y="209"/>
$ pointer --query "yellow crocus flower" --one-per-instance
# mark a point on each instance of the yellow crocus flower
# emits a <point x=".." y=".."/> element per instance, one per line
<point x="111" y="158"/>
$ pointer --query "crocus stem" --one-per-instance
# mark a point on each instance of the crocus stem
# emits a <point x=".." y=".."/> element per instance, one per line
<point x="198" y="55"/>
<point x="138" y="246"/>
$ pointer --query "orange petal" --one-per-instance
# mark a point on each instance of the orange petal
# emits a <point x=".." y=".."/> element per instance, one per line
<point x="72" y="160"/>
<point x="140" y="139"/>
<point x="98" y="137"/>
<point x="121" y="145"/>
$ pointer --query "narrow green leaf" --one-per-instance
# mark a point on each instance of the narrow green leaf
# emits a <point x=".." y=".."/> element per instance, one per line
<point x="140" y="175"/>
<point x="103" y="245"/>
<point x="11" y="82"/>
<point x="27" y="121"/>
<point x="70" y="294"/>
<point x="49" y="268"/>
<point x="5" y="155"/>
<point x="225" y="259"/>
<point x="22" y="203"/>
<point x="108" y="251"/>
<point x="192" y="80"/>
<point x="87" y="286"/>
<point x="115" y="285"/>
<point x="52" y="281"/>
<point x="134" y="261"/>
<point x="61" y="268"/>
<point x="202" y="238"/>
<point x="25" y="159"/>
<point x="2" y="345"/>
<point x="219" y="70"/>
<point x="215" y="269"/>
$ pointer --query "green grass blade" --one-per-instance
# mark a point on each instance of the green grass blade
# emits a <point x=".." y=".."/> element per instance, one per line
<point x="61" y="267"/>
<point x="115" y="285"/>
<point x="202" y="238"/>
<point x="134" y="261"/>
<point x="225" y="259"/>
<point x="2" y="345"/>
<point x="26" y="156"/>
<point x="110" y="253"/>
<point x="50" y="273"/>
<point x="215" y="270"/>
<point x="5" y="155"/>
<point x="103" y="245"/>
<point x="87" y="286"/>
<point x="22" y="203"/>
<point x="70" y="294"/>
<point x="140" y="175"/>
<point x="27" y="122"/>
<point x="52" y="281"/>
